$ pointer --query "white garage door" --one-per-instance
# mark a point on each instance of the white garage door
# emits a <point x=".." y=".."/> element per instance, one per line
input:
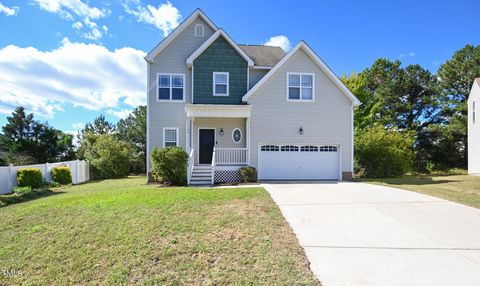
<point x="298" y="162"/>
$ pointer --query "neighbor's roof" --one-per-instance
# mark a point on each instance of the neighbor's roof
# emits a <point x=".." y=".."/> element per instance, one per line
<point x="267" y="56"/>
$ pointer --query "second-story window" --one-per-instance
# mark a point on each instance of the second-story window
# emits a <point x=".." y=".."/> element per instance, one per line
<point x="220" y="83"/>
<point x="171" y="87"/>
<point x="300" y="87"/>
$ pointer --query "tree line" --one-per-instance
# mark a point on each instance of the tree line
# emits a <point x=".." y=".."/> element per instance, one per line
<point x="114" y="150"/>
<point x="428" y="108"/>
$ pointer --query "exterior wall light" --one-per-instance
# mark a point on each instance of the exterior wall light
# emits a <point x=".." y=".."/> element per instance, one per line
<point x="300" y="131"/>
<point x="221" y="132"/>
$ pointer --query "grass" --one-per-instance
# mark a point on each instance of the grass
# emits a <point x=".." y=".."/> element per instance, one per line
<point x="126" y="232"/>
<point x="462" y="189"/>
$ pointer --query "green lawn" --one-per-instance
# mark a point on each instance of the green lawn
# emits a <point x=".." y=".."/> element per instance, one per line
<point x="462" y="189"/>
<point x="126" y="232"/>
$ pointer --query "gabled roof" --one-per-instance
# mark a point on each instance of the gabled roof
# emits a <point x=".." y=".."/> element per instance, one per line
<point x="264" y="56"/>
<point x="302" y="45"/>
<point x="212" y="39"/>
<point x="177" y="31"/>
<point x="475" y="86"/>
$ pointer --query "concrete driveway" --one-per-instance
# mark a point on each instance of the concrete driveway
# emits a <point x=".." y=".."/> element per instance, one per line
<point x="362" y="234"/>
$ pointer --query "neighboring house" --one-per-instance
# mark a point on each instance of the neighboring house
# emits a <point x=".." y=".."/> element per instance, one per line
<point x="231" y="105"/>
<point x="474" y="129"/>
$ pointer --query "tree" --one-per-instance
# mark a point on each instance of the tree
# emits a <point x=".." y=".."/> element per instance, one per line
<point x="456" y="78"/>
<point x="27" y="141"/>
<point x="99" y="126"/>
<point x="108" y="156"/>
<point x="404" y="98"/>
<point x="382" y="153"/>
<point x="133" y="129"/>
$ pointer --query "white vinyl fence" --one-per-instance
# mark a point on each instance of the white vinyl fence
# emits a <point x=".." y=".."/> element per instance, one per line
<point x="8" y="175"/>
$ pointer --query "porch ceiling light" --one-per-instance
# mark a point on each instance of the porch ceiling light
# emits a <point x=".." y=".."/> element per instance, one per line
<point x="221" y="132"/>
<point x="300" y="131"/>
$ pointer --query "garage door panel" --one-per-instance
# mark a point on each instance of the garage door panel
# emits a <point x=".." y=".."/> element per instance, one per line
<point x="298" y="165"/>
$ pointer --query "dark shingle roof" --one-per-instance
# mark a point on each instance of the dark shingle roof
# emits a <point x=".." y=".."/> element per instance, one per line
<point x="263" y="55"/>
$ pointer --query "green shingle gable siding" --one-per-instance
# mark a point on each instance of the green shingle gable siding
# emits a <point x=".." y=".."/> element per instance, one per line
<point x="219" y="57"/>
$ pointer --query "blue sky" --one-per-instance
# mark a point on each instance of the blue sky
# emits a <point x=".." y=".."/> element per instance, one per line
<point x="71" y="60"/>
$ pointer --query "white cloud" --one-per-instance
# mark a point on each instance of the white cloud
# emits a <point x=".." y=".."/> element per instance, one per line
<point x="9" y="11"/>
<point x="77" y="25"/>
<point x="119" y="113"/>
<point x="165" y="18"/>
<point x="43" y="81"/>
<point x="78" y="125"/>
<point x="76" y="9"/>
<point x="279" y="41"/>
<point x="407" y="55"/>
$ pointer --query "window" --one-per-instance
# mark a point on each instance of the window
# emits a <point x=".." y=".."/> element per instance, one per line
<point x="220" y="83"/>
<point x="199" y="30"/>
<point x="473" y="112"/>
<point x="237" y="135"/>
<point x="171" y="87"/>
<point x="270" y="148"/>
<point x="289" y="148"/>
<point x="309" y="149"/>
<point x="300" y="86"/>
<point x="170" y="137"/>
<point x="328" y="149"/>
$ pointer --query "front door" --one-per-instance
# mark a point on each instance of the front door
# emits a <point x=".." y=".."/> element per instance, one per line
<point x="206" y="141"/>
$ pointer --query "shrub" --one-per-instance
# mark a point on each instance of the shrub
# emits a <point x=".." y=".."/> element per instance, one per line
<point x="54" y="184"/>
<point x="382" y="153"/>
<point x="22" y="190"/>
<point x="29" y="177"/>
<point x="62" y="175"/>
<point x="170" y="165"/>
<point x="108" y="156"/>
<point x="248" y="174"/>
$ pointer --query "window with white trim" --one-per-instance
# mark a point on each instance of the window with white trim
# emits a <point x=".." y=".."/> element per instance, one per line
<point x="170" y="137"/>
<point x="328" y="149"/>
<point x="474" y="112"/>
<point x="171" y="87"/>
<point x="199" y="30"/>
<point x="309" y="149"/>
<point x="237" y="135"/>
<point x="300" y="86"/>
<point x="220" y="83"/>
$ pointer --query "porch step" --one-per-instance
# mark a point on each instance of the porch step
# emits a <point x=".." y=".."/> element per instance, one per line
<point x="201" y="175"/>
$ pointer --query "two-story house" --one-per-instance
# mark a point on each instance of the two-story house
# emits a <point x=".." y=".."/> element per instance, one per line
<point x="230" y="105"/>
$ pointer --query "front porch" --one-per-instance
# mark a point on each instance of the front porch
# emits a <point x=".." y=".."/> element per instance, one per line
<point x="217" y="141"/>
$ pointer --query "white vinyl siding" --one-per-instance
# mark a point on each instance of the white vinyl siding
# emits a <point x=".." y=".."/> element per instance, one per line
<point x="172" y="60"/>
<point x="221" y="83"/>
<point x="327" y="120"/>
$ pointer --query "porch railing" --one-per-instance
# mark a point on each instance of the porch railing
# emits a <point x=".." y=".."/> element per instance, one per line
<point x="231" y="156"/>
<point x="190" y="164"/>
<point x="213" y="165"/>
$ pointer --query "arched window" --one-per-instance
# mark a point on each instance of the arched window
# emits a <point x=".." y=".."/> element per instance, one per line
<point x="199" y="30"/>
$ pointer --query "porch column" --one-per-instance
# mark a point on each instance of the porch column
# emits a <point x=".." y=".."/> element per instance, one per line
<point x="248" y="140"/>
<point x="188" y="133"/>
